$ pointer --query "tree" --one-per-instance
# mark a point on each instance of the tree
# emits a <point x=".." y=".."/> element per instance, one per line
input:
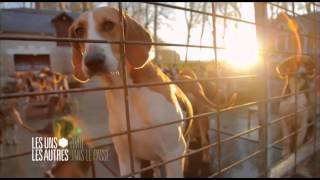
<point x="192" y="19"/>
<point x="86" y="6"/>
<point x="275" y="10"/>
<point x="145" y="13"/>
<point x="229" y="9"/>
<point x="75" y="7"/>
<point x="48" y="5"/>
<point x="204" y="20"/>
<point x="66" y="6"/>
<point x="305" y="7"/>
<point x="308" y="7"/>
<point x="62" y="6"/>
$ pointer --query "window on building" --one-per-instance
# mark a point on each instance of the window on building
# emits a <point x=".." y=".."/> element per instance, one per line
<point x="28" y="62"/>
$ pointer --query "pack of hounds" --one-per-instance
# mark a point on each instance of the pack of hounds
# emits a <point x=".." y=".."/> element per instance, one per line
<point x="13" y="110"/>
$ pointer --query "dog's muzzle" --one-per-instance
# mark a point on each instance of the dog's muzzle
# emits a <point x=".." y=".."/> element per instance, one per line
<point x="301" y="75"/>
<point x="95" y="62"/>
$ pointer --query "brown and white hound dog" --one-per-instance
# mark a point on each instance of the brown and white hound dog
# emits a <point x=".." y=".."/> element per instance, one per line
<point x="10" y="109"/>
<point x="300" y="70"/>
<point x="9" y="115"/>
<point x="148" y="106"/>
<point x="8" y="121"/>
<point x="27" y="82"/>
<point x="54" y="81"/>
<point x="199" y="135"/>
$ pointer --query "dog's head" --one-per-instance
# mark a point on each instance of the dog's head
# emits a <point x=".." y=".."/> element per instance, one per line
<point x="49" y="77"/>
<point x="302" y="68"/>
<point x="47" y="71"/>
<point x="42" y="81"/>
<point x="188" y="72"/>
<point x="104" y="23"/>
<point x="299" y="66"/>
<point x="20" y="82"/>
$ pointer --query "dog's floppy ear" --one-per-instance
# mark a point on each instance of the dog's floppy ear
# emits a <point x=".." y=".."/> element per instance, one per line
<point x="310" y="66"/>
<point x="77" y="59"/>
<point x="137" y="54"/>
<point x="287" y="67"/>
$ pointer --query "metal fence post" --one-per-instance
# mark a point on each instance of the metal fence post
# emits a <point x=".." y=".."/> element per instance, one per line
<point x="296" y="133"/>
<point x="260" y="17"/>
<point x="214" y="29"/>
<point x="125" y="88"/>
<point x="155" y="26"/>
<point x="316" y="56"/>
<point x="93" y="169"/>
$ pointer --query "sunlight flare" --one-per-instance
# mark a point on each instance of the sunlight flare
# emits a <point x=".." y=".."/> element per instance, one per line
<point x="242" y="48"/>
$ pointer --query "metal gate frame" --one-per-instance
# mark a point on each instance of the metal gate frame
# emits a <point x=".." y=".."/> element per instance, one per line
<point x="264" y="103"/>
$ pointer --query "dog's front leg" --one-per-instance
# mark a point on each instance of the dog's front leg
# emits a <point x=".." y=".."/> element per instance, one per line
<point x="302" y="123"/>
<point x="158" y="172"/>
<point x="11" y="134"/>
<point x="1" y="135"/>
<point x="14" y="136"/>
<point x="7" y="135"/>
<point x="174" y="169"/>
<point x="286" y="129"/>
<point x="125" y="166"/>
<point x="122" y="149"/>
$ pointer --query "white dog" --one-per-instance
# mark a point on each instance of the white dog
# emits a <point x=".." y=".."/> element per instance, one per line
<point x="301" y="68"/>
<point x="148" y="106"/>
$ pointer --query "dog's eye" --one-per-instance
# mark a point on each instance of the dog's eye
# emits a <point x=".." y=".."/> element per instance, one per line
<point x="79" y="32"/>
<point x="108" y="26"/>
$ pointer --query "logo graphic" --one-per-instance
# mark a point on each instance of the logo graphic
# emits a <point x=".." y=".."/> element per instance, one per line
<point x="47" y="149"/>
<point x="63" y="142"/>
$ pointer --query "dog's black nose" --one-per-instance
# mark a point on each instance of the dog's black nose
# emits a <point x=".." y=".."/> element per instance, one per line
<point x="94" y="61"/>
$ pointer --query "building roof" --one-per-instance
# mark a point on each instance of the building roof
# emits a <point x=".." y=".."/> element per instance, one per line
<point x="23" y="20"/>
<point x="305" y="21"/>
